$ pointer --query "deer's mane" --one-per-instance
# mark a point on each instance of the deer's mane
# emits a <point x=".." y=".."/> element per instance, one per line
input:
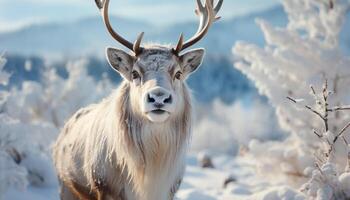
<point x="140" y="148"/>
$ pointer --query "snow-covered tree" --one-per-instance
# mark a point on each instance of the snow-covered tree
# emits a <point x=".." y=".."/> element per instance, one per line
<point x="304" y="53"/>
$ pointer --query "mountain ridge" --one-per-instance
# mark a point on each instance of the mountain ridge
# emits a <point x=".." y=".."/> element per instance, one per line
<point x="62" y="39"/>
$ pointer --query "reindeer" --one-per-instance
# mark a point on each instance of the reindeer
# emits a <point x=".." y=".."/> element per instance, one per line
<point x="132" y="145"/>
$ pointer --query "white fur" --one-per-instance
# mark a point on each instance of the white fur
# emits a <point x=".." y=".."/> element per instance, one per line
<point x="114" y="146"/>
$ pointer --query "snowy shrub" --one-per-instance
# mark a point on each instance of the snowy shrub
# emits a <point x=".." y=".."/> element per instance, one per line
<point x="333" y="148"/>
<point x="10" y="172"/>
<point x="30" y="119"/>
<point x="56" y="98"/>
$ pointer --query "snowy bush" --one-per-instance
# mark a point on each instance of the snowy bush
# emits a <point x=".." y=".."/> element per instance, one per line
<point x="30" y="120"/>
<point x="305" y="52"/>
<point x="55" y="98"/>
<point x="10" y="172"/>
<point x="325" y="181"/>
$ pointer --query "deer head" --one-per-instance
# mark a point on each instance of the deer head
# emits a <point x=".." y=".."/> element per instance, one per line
<point x="156" y="74"/>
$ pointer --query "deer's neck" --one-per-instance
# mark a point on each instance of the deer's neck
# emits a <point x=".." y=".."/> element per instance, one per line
<point x="155" y="155"/>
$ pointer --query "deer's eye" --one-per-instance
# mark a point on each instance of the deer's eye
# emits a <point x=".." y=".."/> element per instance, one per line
<point x="178" y="75"/>
<point x="135" y="75"/>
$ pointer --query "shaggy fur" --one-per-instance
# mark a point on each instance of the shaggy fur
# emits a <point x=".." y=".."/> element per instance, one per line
<point x="111" y="150"/>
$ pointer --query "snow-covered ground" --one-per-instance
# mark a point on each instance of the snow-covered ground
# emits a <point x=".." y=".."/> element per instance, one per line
<point x="209" y="184"/>
<point x="202" y="183"/>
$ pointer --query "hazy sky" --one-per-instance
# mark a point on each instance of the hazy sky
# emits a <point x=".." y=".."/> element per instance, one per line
<point x="18" y="13"/>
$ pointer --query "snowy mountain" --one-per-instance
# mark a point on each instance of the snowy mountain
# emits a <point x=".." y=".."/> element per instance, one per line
<point x="88" y="36"/>
<point x="76" y="38"/>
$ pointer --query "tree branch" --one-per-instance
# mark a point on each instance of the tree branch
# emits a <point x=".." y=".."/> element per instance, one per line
<point x="319" y="135"/>
<point x="325" y="94"/>
<point x="308" y="107"/>
<point x="338" y="108"/>
<point x="341" y="132"/>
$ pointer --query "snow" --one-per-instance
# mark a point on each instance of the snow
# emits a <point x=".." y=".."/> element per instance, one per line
<point x="33" y="193"/>
<point x="201" y="184"/>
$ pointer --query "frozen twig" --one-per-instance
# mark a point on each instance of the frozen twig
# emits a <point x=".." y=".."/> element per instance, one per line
<point x="307" y="107"/>
<point x="325" y="94"/>
<point x="345" y="140"/>
<point x="341" y="133"/>
<point x="316" y="133"/>
<point x="313" y="90"/>
<point x="338" y="108"/>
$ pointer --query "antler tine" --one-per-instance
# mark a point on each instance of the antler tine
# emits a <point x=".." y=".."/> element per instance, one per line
<point x="207" y="18"/>
<point x="135" y="47"/>
<point x="217" y="8"/>
<point x="201" y="11"/>
<point x="99" y="4"/>
<point x="179" y="44"/>
<point x="200" y="4"/>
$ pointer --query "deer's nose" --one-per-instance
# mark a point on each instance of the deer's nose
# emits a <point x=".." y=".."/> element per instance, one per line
<point x="159" y="97"/>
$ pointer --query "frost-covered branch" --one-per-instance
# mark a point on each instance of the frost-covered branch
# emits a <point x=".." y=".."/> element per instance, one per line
<point x="308" y="107"/>
<point x="323" y="104"/>
<point x="340" y="134"/>
<point x="338" y="108"/>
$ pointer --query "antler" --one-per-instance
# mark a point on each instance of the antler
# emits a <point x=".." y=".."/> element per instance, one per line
<point x="135" y="47"/>
<point x="207" y="14"/>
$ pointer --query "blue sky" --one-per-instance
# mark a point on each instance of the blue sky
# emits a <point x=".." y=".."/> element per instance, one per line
<point x="15" y="14"/>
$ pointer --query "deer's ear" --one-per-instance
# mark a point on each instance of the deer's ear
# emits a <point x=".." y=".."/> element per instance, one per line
<point x="120" y="61"/>
<point x="191" y="60"/>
